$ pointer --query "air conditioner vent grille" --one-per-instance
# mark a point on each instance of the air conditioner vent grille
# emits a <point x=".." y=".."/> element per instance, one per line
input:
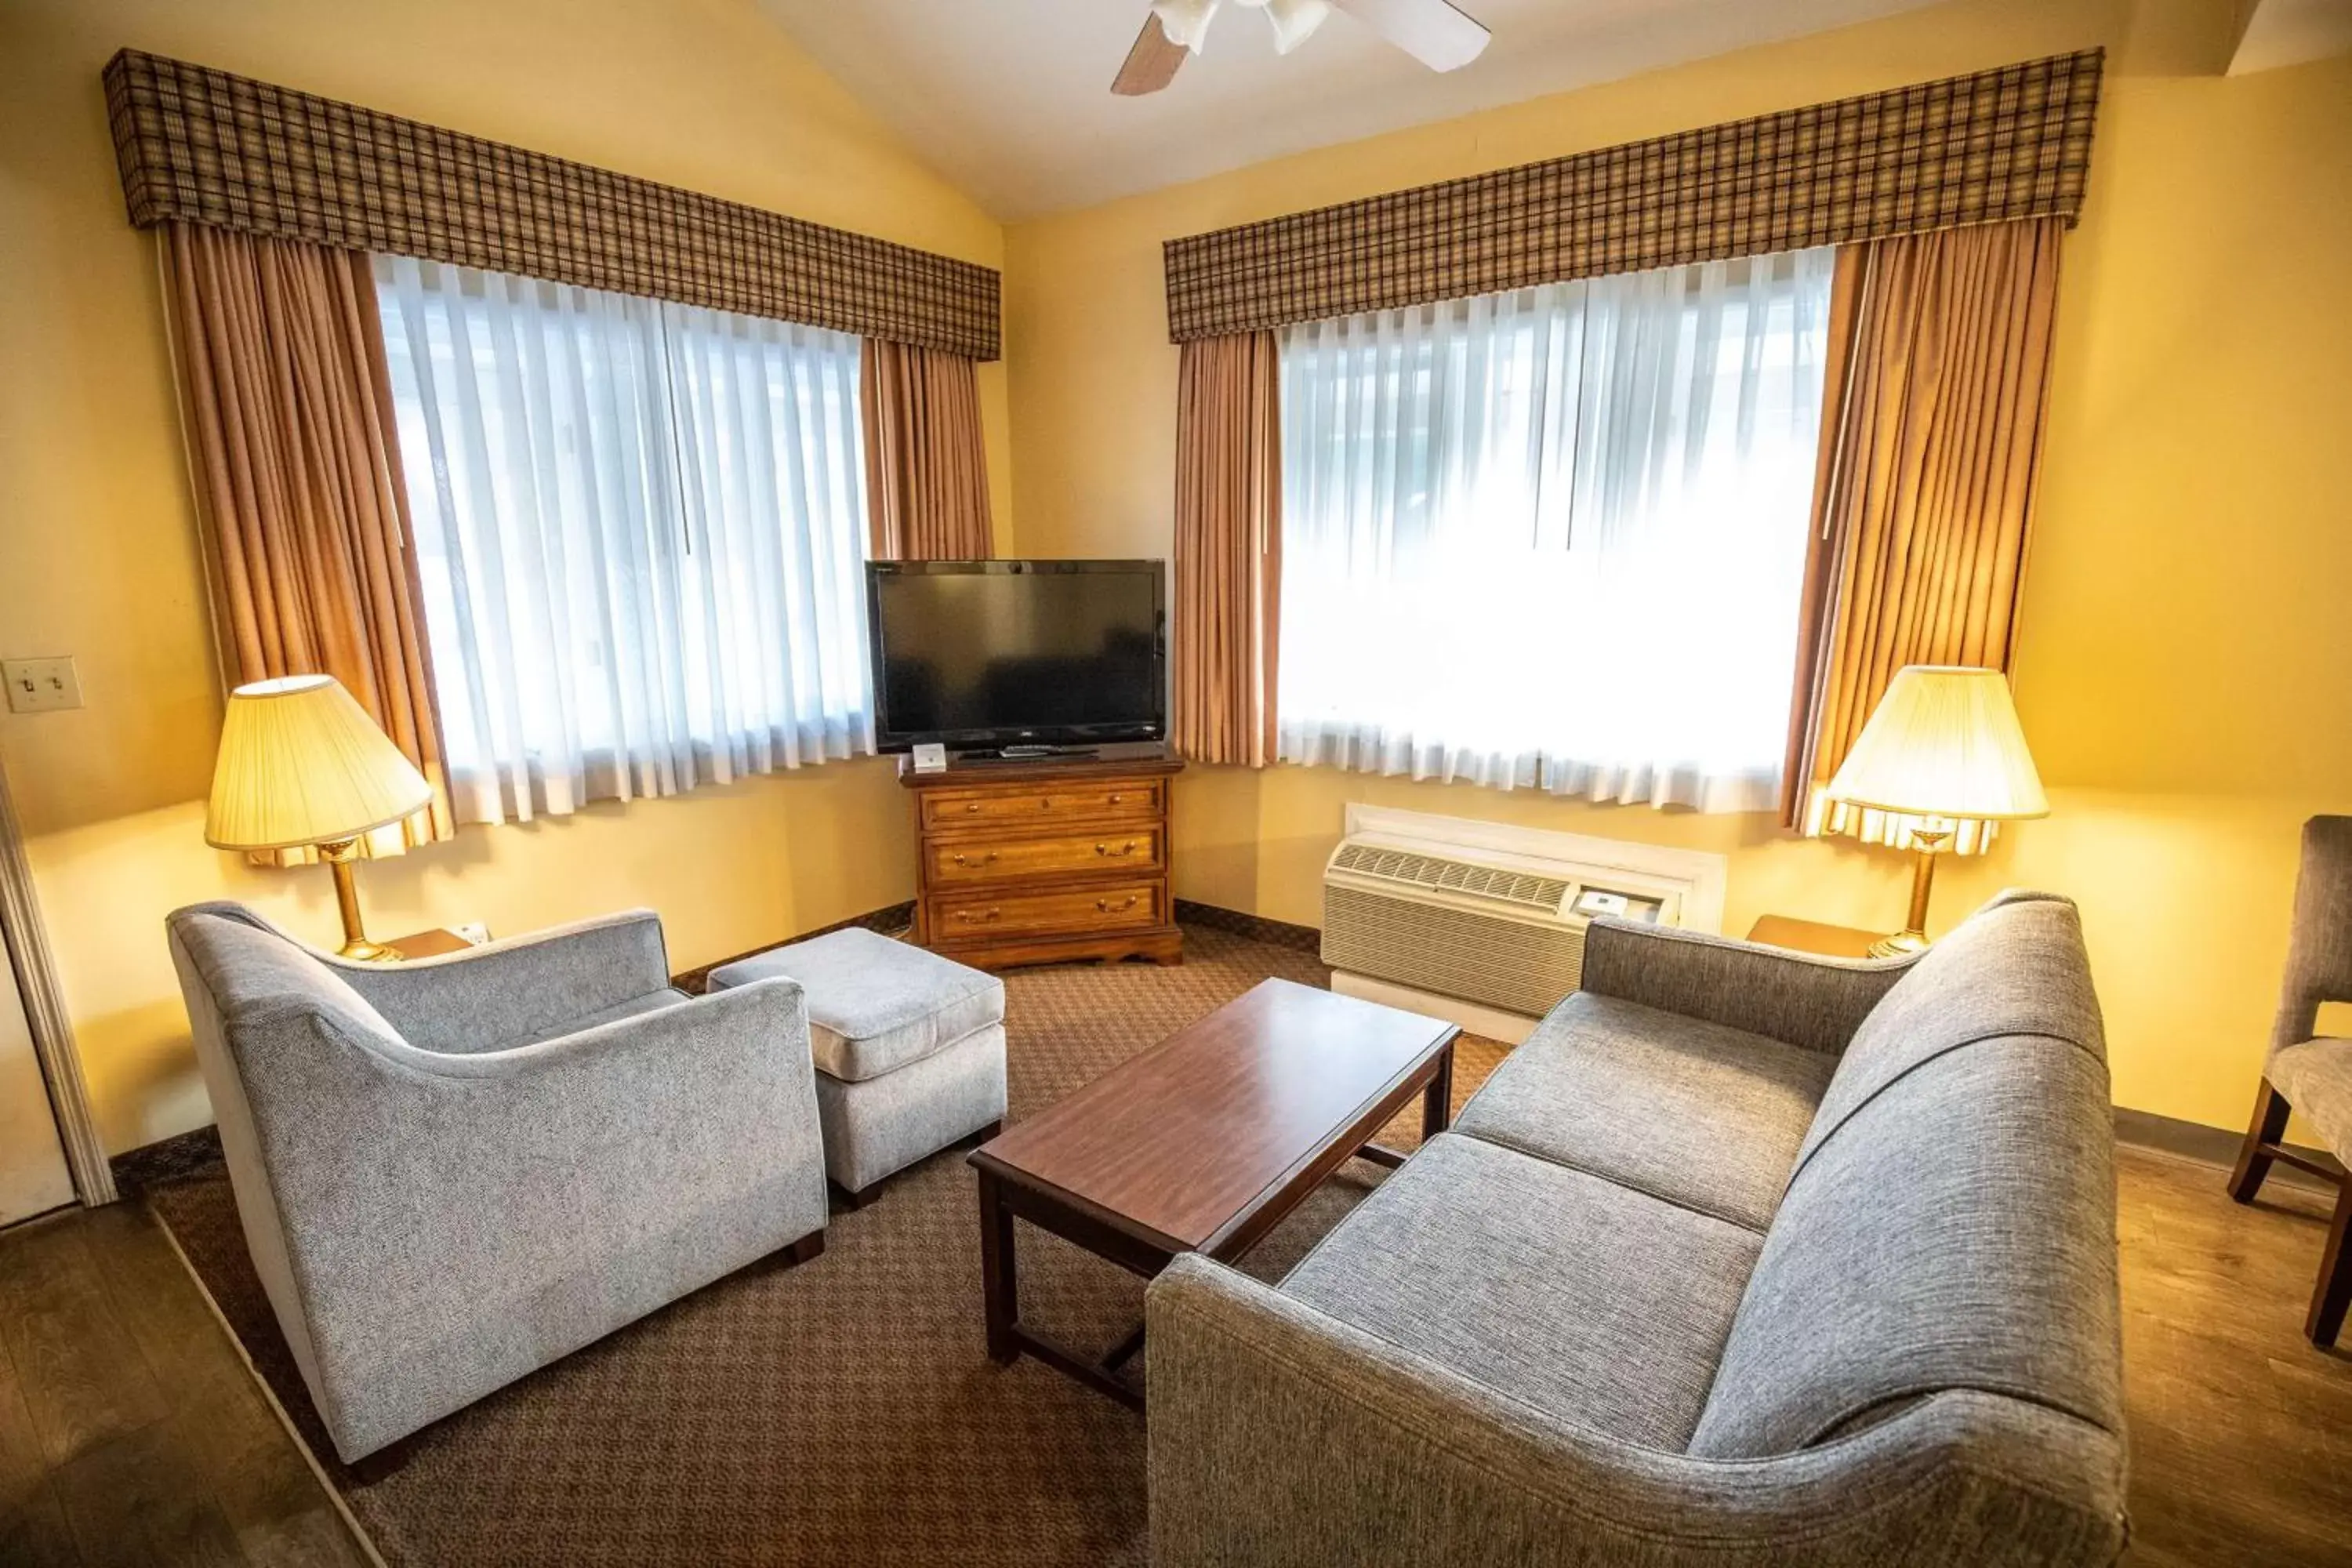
<point x="1408" y="869"/>
<point x="1505" y="962"/>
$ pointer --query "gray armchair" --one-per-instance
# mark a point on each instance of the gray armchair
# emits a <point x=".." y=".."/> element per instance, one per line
<point x="454" y="1171"/>
<point x="2313" y="1075"/>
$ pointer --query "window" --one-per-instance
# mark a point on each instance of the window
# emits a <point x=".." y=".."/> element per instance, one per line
<point x="640" y="528"/>
<point x="1556" y="538"/>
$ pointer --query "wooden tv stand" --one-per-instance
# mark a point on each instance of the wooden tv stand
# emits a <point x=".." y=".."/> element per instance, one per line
<point x="1045" y="861"/>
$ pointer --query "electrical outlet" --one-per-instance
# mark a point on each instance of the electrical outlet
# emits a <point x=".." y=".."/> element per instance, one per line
<point x="40" y="685"/>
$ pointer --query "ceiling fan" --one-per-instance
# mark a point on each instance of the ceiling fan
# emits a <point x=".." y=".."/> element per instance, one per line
<point x="1430" y="31"/>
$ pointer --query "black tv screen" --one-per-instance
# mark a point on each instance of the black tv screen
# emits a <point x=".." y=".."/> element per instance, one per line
<point x="1017" y="653"/>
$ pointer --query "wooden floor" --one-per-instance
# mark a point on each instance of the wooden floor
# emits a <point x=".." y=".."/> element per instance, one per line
<point x="2240" y="1432"/>
<point x="131" y="1431"/>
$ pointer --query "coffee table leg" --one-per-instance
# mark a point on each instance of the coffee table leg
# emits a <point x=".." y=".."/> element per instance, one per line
<point x="1437" y="1101"/>
<point x="999" y="1286"/>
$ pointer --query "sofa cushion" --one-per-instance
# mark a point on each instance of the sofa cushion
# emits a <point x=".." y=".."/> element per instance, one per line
<point x="1950" y="1222"/>
<point x="634" y="1006"/>
<point x="1956" y="1232"/>
<point x="2015" y="967"/>
<point x="874" y="1005"/>
<point x="2317" y="1079"/>
<point x="1594" y="1302"/>
<point x="1697" y="1114"/>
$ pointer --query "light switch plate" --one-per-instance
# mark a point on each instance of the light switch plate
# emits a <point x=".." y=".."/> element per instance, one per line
<point x="40" y="685"/>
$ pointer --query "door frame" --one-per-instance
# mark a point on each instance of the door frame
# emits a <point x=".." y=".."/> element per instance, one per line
<point x="25" y="948"/>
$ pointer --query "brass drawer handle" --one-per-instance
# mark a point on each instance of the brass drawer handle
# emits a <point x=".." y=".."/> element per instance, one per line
<point x="983" y="917"/>
<point x="962" y="859"/>
<point x="1117" y="798"/>
<point x="972" y="805"/>
<point x="1126" y="848"/>
<point x="1107" y="907"/>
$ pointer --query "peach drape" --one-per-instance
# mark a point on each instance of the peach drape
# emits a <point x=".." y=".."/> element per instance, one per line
<point x="926" y="464"/>
<point x="294" y="460"/>
<point x="1228" y="547"/>
<point x="1933" y="451"/>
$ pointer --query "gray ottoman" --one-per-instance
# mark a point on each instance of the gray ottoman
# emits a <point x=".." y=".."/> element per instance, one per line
<point x="909" y="1049"/>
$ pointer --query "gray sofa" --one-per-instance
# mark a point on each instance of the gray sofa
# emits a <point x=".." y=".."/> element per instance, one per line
<point x="1745" y="1257"/>
<point x="454" y="1171"/>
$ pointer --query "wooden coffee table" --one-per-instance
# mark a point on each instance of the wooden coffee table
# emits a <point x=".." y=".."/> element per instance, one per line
<point x="1202" y="1143"/>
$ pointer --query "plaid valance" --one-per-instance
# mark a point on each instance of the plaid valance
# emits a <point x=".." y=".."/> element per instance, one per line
<point x="202" y="147"/>
<point x="2008" y="143"/>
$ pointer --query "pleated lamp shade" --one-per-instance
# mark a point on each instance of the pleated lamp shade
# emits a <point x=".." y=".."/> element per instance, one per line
<point x="1944" y="741"/>
<point x="301" y="763"/>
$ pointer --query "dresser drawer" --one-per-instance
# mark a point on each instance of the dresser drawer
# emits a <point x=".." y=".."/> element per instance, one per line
<point x="1117" y="906"/>
<point x="1114" y="849"/>
<point x="945" y="809"/>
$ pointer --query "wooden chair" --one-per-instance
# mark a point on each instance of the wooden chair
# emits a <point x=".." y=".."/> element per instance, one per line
<point x="2313" y="1075"/>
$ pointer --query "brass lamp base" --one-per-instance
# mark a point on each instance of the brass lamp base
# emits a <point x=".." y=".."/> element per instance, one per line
<point x="1926" y="842"/>
<point x="339" y="857"/>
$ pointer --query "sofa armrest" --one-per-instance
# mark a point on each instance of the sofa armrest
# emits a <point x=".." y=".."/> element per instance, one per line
<point x="511" y="990"/>
<point x="724" y="1025"/>
<point x="454" y="1221"/>
<point x="1816" y="1003"/>
<point x="1279" y="1435"/>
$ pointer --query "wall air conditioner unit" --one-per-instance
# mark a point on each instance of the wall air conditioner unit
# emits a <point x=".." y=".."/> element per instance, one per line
<point x="1482" y="923"/>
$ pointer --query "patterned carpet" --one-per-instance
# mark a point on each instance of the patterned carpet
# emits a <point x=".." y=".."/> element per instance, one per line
<point x="842" y="1410"/>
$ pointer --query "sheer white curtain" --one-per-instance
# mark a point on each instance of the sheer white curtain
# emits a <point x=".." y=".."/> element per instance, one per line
<point x="1556" y="537"/>
<point x="641" y="533"/>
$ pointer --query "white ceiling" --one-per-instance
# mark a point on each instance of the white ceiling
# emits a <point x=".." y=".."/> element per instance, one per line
<point x="1011" y="98"/>
<point x="2289" y="32"/>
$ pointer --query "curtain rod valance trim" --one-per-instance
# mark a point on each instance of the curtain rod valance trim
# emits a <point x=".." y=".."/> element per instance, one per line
<point x="198" y="146"/>
<point x="2008" y="144"/>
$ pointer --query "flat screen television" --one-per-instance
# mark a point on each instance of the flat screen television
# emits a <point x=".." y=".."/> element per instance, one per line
<point x="1017" y="655"/>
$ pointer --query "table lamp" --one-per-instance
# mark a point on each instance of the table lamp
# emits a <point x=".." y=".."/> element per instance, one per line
<point x="302" y="765"/>
<point x="1943" y="746"/>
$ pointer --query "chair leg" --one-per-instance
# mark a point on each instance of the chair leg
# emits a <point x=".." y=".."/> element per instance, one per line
<point x="2333" y="1292"/>
<point x="2268" y="1126"/>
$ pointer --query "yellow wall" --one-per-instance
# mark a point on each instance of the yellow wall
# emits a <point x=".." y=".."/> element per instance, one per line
<point x="2184" y="676"/>
<point x="97" y="553"/>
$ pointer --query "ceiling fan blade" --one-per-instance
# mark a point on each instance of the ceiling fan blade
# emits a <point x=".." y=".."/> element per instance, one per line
<point x="1151" y="64"/>
<point x="1430" y="31"/>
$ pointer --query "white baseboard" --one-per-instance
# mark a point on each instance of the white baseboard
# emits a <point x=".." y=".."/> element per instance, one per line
<point x="1492" y="1022"/>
